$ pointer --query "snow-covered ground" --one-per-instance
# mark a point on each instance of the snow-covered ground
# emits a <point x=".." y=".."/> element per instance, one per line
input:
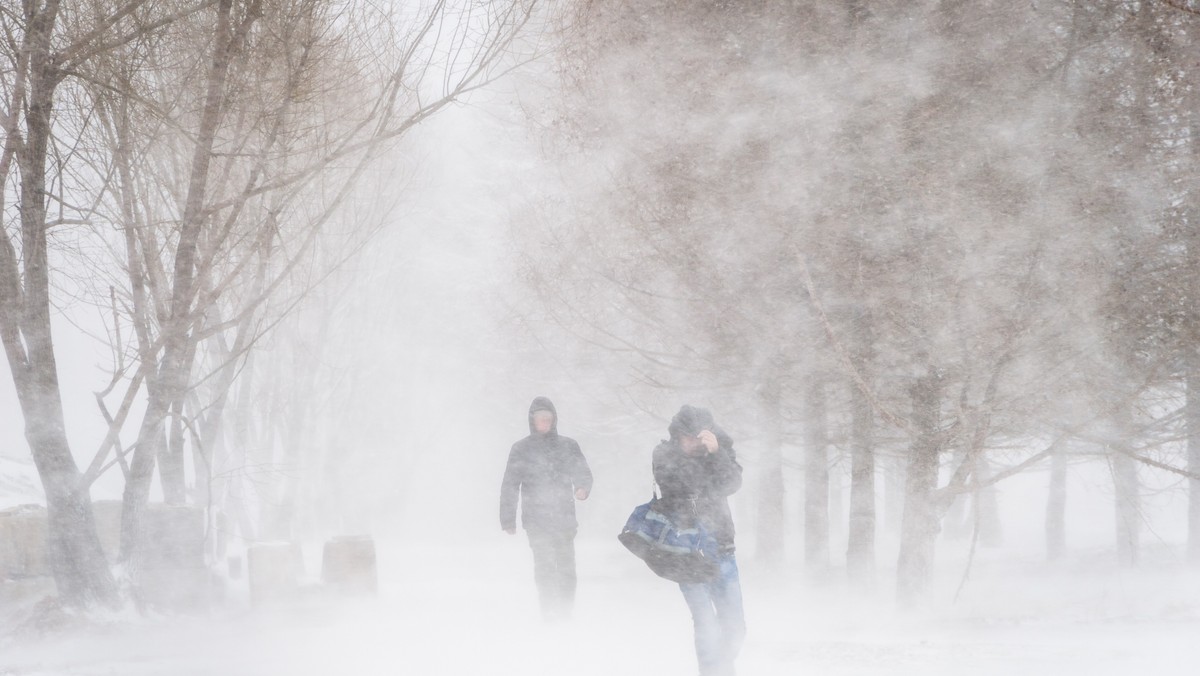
<point x="471" y="610"/>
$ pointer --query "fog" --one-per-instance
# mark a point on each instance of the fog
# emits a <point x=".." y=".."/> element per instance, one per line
<point x="929" y="266"/>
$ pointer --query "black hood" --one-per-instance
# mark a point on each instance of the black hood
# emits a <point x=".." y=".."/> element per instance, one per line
<point x="543" y="404"/>
<point x="690" y="421"/>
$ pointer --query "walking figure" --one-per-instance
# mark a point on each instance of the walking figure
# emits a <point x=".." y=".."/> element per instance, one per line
<point x="696" y="470"/>
<point x="548" y="472"/>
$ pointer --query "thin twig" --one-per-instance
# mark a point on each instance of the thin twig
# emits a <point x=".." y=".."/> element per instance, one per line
<point x="844" y="354"/>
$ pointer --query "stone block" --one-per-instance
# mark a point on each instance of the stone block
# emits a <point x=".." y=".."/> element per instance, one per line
<point x="274" y="570"/>
<point x="233" y="564"/>
<point x="171" y="573"/>
<point x="23" y="545"/>
<point x="172" y="536"/>
<point x="348" y="565"/>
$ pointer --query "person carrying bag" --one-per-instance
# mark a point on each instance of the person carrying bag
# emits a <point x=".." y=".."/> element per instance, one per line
<point x="677" y="553"/>
<point x="686" y="535"/>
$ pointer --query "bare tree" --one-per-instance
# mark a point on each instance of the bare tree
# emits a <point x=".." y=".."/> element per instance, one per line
<point x="282" y="126"/>
<point x="220" y="139"/>
<point x="45" y="45"/>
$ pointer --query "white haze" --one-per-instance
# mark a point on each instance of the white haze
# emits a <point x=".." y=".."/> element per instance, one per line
<point x="441" y="381"/>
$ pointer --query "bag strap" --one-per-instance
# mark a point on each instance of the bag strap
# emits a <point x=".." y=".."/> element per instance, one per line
<point x="666" y="531"/>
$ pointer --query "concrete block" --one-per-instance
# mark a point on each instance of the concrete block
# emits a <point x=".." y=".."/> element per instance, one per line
<point x="23" y="544"/>
<point x="274" y="572"/>
<point x="348" y="565"/>
<point x="171" y="573"/>
<point x="172" y="536"/>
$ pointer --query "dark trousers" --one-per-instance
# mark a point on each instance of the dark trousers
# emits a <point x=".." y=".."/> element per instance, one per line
<point x="554" y="571"/>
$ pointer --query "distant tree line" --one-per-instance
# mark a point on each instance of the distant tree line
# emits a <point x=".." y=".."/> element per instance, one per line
<point x="963" y="235"/>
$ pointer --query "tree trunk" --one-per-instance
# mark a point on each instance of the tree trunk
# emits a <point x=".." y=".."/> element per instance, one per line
<point x="770" y="530"/>
<point x="958" y="522"/>
<point x="1192" y="414"/>
<point x="170" y="383"/>
<point x="1056" y="507"/>
<point x="836" y="481"/>
<point x="858" y="12"/>
<point x="991" y="534"/>
<point x="76" y="559"/>
<point x="207" y="449"/>
<point x="920" y="523"/>
<point x="150" y="443"/>
<point x="816" y="479"/>
<point x="1128" y="508"/>
<point x="894" y="478"/>
<point x="171" y="465"/>
<point x="860" y="542"/>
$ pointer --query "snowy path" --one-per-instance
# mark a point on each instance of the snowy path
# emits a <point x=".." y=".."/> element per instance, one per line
<point x="473" y="612"/>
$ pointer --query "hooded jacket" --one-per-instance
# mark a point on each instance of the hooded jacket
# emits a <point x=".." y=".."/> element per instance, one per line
<point x="698" y="486"/>
<point x="544" y="470"/>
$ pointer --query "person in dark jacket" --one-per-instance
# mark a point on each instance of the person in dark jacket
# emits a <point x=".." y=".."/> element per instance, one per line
<point x="696" y="471"/>
<point x="548" y="472"/>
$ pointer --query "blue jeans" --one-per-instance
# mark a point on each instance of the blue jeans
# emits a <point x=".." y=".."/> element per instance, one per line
<point x="718" y="619"/>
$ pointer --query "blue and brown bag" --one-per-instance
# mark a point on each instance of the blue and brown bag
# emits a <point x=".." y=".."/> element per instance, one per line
<point x="687" y="555"/>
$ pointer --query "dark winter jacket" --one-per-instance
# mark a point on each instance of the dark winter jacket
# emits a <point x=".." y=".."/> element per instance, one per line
<point x="544" y="470"/>
<point x="698" y="486"/>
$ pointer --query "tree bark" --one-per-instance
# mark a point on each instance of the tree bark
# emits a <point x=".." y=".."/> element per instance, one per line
<point x="816" y="479"/>
<point x="991" y="534"/>
<point x="958" y="522"/>
<point x="169" y="385"/>
<point x="1056" y="508"/>
<point x="1126" y="489"/>
<point x="770" y="530"/>
<point x="921" y="521"/>
<point x="171" y="465"/>
<point x="150" y="443"/>
<point x="860" y="548"/>
<point x="1192" y="415"/>
<point x="894" y="479"/>
<point x="1191" y="340"/>
<point x="76" y="559"/>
